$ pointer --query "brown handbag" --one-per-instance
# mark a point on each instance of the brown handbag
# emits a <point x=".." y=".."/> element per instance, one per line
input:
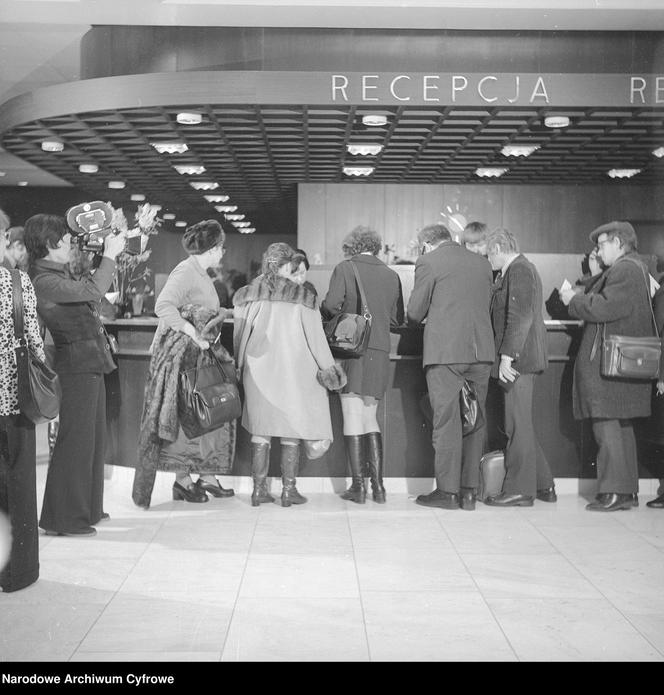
<point x="628" y="357"/>
<point x="39" y="392"/>
<point x="208" y="396"/>
<point x="348" y="334"/>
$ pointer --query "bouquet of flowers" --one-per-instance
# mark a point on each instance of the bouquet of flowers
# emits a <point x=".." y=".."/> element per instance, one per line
<point x="131" y="271"/>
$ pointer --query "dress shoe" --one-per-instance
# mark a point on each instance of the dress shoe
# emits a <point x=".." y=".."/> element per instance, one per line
<point x="603" y="496"/>
<point x="214" y="490"/>
<point x="105" y="516"/>
<point x="657" y="503"/>
<point x="467" y="499"/>
<point x="611" y="502"/>
<point x="504" y="499"/>
<point x="547" y="494"/>
<point x="191" y="493"/>
<point x="438" y="498"/>
<point x="87" y="531"/>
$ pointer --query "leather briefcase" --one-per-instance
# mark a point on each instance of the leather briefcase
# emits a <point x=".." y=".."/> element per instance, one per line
<point x="492" y="474"/>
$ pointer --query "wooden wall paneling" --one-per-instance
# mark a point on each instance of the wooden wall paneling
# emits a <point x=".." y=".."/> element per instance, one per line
<point x="624" y="201"/>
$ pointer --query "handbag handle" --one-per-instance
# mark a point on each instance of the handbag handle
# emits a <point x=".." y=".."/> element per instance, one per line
<point x="363" y="297"/>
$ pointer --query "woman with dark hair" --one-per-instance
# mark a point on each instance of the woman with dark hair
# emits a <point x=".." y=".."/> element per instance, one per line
<point x="18" y="485"/>
<point x="286" y="366"/>
<point x="368" y="374"/>
<point x="70" y="309"/>
<point x="190" y="317"/>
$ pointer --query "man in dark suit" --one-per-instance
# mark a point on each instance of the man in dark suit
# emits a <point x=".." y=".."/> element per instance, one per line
<point x="516" y="314"/>
<point x="452" y="291"/>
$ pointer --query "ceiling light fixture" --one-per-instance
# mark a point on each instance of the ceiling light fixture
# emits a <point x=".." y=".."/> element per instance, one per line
<point x="623" y="173"/>
<point x="3" y="173"/>
<point x="204" y="185"/>
<point x="190" y="169"/>
<point x="659" y="152"/>
<point x="358" y="170"/>
<point x="216" y="198"/>
<point x="88" y="168"/>
<point x="170" y="147"/>
<point x="156" y="207"/>
<point x="490" y="171"/>
<point x="53" y="145"/>
<point x="21" y="183"/>
<point x="374" y="119"/>
<point x="556" y="121"/>
<point x="231" y="218"/>
<point x="363" y="149"/>
<point x="189" y="117"/>
<point x="241" y="225"/>
<point x="137" y="197"/>
<point x="116" y="184"/>
<point x="519" y="150"/>
<point x="168" y="216"/>
<point x="247" y="230"/>
<point x="225" y="208"/>
<point x="180" y="223"/>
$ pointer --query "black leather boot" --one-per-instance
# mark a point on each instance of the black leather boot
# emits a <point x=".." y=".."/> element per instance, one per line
<point x="52" y="430"/>
<point x="260" y="462"/>
<point x="357" y="492"/>
<point x="374" y="457"/>
<point x="290" y="459"/>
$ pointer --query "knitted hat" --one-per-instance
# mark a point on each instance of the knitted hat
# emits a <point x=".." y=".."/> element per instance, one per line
<point x="202" y="236"/>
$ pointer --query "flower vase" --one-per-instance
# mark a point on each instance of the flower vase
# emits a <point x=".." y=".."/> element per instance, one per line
<point x="137" y="304"/>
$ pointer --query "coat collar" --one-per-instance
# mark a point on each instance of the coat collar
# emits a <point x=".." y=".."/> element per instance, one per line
<point x="44" y="264"/>
<point x="274" y="289"/>
<point x="366" y="258"/>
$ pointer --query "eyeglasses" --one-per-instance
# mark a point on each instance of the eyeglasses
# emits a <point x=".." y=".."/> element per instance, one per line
<point x="605" y="241"/>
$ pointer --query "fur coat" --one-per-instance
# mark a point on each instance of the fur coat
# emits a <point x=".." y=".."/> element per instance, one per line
<point x="285" y="363"/>
<point x="173" y="351"/>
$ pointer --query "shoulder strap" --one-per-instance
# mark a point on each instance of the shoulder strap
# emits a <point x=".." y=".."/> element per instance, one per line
<point x="645" y="278"/>
<point x="17" y="293"/>
<point x="365" y="306"/>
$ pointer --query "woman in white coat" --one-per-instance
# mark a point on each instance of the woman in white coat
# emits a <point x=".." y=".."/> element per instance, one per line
<point x="286" y="368"/>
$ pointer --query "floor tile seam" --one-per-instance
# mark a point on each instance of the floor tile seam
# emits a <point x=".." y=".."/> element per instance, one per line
<point x="359" y="589"/>
<point x="107" y="603"/>
<point x="238" y="593"/>
<point x="615" y="607"/>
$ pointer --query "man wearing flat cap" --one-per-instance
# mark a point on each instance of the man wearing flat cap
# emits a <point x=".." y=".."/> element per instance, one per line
<point x="617" y="304"/>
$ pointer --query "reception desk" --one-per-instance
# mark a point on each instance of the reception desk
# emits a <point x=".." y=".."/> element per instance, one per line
<point x="567" y="443"/>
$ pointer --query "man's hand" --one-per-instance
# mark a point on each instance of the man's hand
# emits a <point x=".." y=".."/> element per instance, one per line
<point x="191" y="332"/>
<point x="660" y="388"/>
<point x="114" y="244"/>
<point x="505" y="370"/>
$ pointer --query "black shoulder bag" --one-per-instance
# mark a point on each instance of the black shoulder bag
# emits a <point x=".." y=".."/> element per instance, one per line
<point x="39" y="391"/>
<point x="348" y="334"/>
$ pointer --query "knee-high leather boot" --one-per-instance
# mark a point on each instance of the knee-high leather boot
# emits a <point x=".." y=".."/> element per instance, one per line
<point x="357" y="492"/>
<point x="290" y="459"/>
<point x="374" y="458"/>
<point x="260" y="462"/>
<point x="52" y="430"/>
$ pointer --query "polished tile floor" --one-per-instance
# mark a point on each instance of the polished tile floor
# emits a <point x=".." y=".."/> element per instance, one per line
<point x="336" y="581"/>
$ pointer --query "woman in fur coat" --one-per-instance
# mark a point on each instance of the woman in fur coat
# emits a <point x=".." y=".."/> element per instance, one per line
<point x="286" y="367"/>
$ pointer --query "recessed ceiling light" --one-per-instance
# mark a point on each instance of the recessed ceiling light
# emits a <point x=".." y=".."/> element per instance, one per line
<point x="659" y="152"/>
<point x="21" y="183"/>
<point x="137" y="197"/>
<point x="116" y="184"/>
<point x="204" y="185"/>
<point x="234" y="217"/>
<point x="168" y="216"/>
<point x="180" y="223"/>
<point x="519" y="150"/>
<point x="358" y="170"/>
<point x="556" y="121"/>
<point x="88" y="168"/>
<point x="190" y="169"/>
<point x="189" y="117"/>
<point x="247" y="230"/>
<point x="363" y="149"/>
<point x="623" y="173"/>
<point x="170" y="147"/>
<point x="225" y="208"/>
<point x="52" y="146"/>
<point x="490" y="171"/>
<point x="216" y="198"/>
<point x="240" y="225"/>
<point x="374" y="119"/>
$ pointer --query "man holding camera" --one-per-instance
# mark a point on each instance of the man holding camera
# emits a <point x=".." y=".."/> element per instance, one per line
<point x="70" y="309"/>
